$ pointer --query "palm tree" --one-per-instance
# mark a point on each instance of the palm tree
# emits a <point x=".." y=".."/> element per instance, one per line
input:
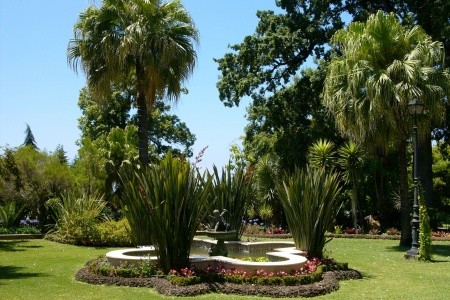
<point x="147" y="40"/>
<point x="383" y="66"/>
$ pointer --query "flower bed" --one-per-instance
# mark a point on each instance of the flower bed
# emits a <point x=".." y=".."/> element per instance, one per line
<point x="314" y="279"/>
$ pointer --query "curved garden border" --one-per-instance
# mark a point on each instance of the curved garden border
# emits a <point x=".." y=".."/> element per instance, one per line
<point x="328" y="284"/>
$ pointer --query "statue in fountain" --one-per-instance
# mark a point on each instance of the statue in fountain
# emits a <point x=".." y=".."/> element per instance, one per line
<point x="220" y="224"/>
<point x="221" y="233"/>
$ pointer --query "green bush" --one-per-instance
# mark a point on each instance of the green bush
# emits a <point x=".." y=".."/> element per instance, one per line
<point x="20" y="230"/>
<point x="113" y="233"/>
<point x="9" y="214"/>
<point x="77" y="219"/>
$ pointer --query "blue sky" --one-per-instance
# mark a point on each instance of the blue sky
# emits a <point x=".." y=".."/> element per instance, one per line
<point x="38" y="88"/>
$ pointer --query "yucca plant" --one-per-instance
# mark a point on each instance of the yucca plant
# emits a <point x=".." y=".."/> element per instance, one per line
<point x="230" y="191"/>
<point x="322" y="154"/>
<point x="310" y="201"/>
<point x="168" y="200"/>
<point x="9" y="214"/>
<point x="77" y="217"/>
<point x="351" y="160"/>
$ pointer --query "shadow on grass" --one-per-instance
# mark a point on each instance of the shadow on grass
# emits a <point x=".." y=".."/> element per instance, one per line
<point x="13" y="272"/>
<point x="13" y="245"/>
<point x="397" y="248"/>
<point x="16" y="245"/>
<point x="441" y="250"/>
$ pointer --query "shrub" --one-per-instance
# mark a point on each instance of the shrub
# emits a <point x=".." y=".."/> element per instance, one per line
<point x="9" y="214"/>
<point x="164" y="204"/>
<point x="113" y="233"/>
<point x="77" y="219"/>
<point x="310" y="201"/>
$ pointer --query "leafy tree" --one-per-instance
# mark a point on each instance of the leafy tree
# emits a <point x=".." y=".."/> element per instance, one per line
<point x="61" y="154"/>
<point x="150" y="40"/>
<point x="30" y="177"/>
<point x="89" y="167"/>
<point x="384" y="65"/>
<point x="29" y="138"/>
<point x="110" y="126"/>
<point x="285" y="124"/>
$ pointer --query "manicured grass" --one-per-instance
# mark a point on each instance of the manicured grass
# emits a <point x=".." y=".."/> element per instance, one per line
<point x="42" y="269"/>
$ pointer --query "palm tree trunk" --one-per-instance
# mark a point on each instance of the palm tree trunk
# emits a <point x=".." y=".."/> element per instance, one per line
<point x="142" y="128"/>
<point x="405" y="205"/>
<point x="142" y="116"/>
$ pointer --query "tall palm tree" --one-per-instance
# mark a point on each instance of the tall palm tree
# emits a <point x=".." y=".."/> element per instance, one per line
<point x="148" y="40"/>
<point x="383" y="66"/>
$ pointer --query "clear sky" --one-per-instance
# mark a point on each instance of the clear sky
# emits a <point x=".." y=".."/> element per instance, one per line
<point x="38" y="88"/>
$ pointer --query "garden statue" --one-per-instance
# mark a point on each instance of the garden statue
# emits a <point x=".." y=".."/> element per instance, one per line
<point x="220" y="224"/>
<point x="221" y="233"/>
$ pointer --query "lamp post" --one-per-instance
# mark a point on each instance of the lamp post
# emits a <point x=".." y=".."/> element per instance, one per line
<point x="415" y="108"/>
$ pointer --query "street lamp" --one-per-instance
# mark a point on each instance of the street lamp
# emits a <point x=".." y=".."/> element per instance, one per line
<point x="415" y="108"/>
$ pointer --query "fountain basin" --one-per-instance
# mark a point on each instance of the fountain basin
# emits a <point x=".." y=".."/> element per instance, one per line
<point x="284" y="258"/>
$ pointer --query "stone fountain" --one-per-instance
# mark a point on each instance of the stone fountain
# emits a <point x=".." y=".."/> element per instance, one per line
<point x="221" y="234"/>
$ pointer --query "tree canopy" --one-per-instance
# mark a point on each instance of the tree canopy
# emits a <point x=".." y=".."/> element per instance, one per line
<point x="150" y="40"/>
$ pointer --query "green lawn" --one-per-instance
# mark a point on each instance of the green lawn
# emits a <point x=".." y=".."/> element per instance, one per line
<point x="41" y="269"/>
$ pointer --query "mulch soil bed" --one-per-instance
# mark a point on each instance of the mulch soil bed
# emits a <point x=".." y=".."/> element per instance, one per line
<point x="328" y="284"/>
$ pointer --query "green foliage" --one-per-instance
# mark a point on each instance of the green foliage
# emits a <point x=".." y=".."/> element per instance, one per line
<point x="29" y="177"/>
<point x="231" y="190"/>
<point x="425" y="248"/>
<point x="322" y="154"/>
<point x="113" y="233"/>
<point x="310" y="201"/>
<point x="150" y="41"/>
<point x="77" y="218"/>
<point x="89" y="167"/>
<point x="164" y="205"/>
<point x="267" y="204"/>
<point x="9" y="215"/>
<point x="20" y="230"/>
<point x="378" y="67"/>
<point x="101" y="266"/>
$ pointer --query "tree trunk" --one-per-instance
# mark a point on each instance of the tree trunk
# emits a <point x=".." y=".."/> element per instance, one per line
<point x="142" y="119"/>
<point x="142" y="128"/>
<point x="355" y="206"/>
<point x="405" y="203"/>
<point x="425" y="168"/>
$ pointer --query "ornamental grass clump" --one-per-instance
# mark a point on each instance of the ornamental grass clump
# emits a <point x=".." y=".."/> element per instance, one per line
<point x="77" y="218"/>
<point x="310" y="201"/>
<point x="164" y="205"/>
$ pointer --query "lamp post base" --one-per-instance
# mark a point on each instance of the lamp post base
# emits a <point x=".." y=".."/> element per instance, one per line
<point x="412" y="253"/>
